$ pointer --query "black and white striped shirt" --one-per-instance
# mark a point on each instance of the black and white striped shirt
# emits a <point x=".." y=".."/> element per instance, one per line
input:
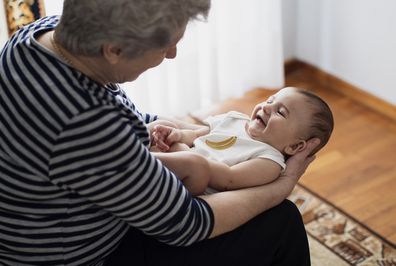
<point x="75" y="171"/>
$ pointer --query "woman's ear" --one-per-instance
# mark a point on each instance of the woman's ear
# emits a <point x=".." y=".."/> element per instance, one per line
<point x="294" y="148"/>
<point x="112" y="53"/>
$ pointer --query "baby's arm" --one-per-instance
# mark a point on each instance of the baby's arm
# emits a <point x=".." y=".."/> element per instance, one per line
<point x="189" y="135"/>
<point x="155" y="146"/>
<point x="166" y="136"/>
<point x="196" y="172"/>
<point x="161" y="122"/>
<point x="254" y="172"/>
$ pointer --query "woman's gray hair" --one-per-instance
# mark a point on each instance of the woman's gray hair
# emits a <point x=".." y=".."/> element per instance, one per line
<point x="136" y="25"/>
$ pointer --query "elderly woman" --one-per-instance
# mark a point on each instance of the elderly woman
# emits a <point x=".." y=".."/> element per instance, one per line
<point x="78" y="184"/>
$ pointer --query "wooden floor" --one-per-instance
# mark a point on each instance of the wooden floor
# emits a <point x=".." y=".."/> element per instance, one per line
<point x="356" y="171"/>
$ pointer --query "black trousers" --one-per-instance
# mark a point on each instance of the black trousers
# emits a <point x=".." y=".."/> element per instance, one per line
<point x="276" y="237"/>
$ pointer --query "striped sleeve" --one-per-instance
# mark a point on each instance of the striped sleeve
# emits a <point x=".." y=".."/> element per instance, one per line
<point x="99" y="156"/>
<point x="75" y="171"/>
<point x="146" y="117"/>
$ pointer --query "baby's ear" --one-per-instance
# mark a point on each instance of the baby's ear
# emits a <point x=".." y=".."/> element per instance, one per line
<point x="294" y="148"/>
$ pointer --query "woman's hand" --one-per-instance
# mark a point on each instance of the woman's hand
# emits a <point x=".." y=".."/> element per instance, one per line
<point x="298" y="163"/>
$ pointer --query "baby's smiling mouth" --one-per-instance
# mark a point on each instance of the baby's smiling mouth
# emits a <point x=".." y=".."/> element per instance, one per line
<point x="261" y="120"/>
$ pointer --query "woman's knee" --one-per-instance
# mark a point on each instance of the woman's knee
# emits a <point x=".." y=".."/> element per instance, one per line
<point x="290" y="209"/>
<point x="285" y="214"/>
<point x="292" y="222"/>
<point x="291" y="213"/>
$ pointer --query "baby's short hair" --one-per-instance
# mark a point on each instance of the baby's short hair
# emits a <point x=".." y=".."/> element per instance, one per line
<point x="322" y="121"/>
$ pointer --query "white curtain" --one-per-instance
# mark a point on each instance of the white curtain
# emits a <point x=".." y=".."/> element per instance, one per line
<point x="238" y="49"/>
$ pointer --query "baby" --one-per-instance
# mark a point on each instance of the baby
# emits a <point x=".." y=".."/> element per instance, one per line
<point x="242" y="151"/>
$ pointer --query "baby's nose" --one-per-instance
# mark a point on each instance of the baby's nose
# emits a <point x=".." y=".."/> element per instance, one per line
<point x="267" y="108"/>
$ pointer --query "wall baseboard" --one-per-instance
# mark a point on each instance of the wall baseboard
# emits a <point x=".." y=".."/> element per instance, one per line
<point x="334" y="83"/>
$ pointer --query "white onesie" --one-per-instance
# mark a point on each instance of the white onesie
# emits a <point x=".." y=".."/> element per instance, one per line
<point x="229" y="143"/>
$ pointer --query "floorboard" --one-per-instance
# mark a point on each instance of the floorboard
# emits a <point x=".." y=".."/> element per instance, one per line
<point x="356" y="171"/>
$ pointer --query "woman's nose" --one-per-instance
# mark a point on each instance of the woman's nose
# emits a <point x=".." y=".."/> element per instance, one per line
<point x="171" y="53"/>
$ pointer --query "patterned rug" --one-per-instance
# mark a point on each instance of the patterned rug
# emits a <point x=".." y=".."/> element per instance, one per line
<point x="336" y="239"/>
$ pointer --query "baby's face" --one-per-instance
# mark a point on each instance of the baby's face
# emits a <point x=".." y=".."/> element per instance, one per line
<point x="282" y="120"/>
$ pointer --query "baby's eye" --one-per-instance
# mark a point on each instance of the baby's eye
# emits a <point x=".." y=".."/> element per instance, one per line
<point x="281" y="113"/>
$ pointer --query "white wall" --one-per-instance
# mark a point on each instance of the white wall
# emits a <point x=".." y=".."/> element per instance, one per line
<point x="53" y="7"/>
<point x="354" y="40"/>
<point x="289" y="20"/>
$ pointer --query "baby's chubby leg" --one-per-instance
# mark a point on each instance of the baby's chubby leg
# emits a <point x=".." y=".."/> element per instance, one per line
<point x="190" y="167"/>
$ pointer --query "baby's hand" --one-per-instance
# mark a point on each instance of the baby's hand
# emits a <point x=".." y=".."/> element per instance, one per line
<point x="159" y="135"/>
<point x="164" y="136"/>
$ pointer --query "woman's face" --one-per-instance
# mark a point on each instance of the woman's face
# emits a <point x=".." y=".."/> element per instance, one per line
<point x="130" y="69"/>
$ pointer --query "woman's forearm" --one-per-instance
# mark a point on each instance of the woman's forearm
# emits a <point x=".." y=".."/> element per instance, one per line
<point x="234" y="208"/>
